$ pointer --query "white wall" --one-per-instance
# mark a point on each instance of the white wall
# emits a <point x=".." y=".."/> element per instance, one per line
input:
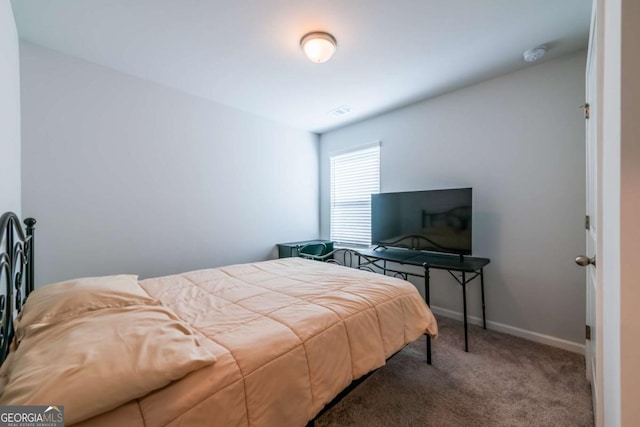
<point x="518" y="140"/>
<point x="124" y="175"/>
<point x="9" y="111"/>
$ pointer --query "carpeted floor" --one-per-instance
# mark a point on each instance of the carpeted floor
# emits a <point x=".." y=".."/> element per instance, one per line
<point x="502" y="381"/>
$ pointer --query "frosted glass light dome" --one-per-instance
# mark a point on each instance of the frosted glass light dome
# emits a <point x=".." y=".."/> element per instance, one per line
<point x="318" y="47"/>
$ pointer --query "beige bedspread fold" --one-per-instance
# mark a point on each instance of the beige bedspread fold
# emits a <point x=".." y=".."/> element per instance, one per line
<point x="288" y="335"/>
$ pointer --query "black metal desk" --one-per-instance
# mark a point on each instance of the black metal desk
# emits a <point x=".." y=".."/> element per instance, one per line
<point x="428" y="260"/>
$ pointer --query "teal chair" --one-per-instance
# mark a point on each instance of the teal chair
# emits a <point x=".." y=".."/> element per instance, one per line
<point x="312" y="251"/>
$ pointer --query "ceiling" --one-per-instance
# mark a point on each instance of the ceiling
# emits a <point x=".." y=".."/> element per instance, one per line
<point x="246" y="53"/>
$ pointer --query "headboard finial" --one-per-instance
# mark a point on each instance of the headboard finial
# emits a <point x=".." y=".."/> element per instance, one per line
<point x="30" y="276"/>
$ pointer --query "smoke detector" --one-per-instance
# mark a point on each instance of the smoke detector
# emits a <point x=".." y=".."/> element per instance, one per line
<point x="534" y="54"/>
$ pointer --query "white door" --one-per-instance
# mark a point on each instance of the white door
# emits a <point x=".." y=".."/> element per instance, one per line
<point x="593" y="347"/>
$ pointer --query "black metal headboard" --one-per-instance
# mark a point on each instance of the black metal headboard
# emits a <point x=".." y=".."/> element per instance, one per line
<point x="16" y="273"/>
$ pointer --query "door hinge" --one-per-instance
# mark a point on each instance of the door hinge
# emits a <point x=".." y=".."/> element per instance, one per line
<point x="587" y="332"/>
<point x="587" y="222"/>
<point x="587" y="110"/>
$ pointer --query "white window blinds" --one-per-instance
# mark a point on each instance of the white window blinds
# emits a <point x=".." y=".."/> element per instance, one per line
<point x="354" y="177"/>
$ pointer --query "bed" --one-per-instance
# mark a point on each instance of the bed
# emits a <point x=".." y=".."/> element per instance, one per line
<point x="262" y="344"/>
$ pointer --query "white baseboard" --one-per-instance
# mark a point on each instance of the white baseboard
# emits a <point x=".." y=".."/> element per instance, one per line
<point x="512" y="330"/>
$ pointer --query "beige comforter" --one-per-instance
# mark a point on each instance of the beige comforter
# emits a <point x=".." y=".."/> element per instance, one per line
<point x="288" y="335"/>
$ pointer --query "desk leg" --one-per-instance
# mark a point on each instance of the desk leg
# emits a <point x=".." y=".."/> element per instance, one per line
<point x="427" y="299"/>
<point x="464" y="307"/>
<point x="484" y="317"/>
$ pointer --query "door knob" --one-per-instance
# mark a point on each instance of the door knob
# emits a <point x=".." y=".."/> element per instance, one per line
<point x="583" y="260"/>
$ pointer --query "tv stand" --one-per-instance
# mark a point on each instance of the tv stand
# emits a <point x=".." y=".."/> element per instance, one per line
<point x="379" y="256"/>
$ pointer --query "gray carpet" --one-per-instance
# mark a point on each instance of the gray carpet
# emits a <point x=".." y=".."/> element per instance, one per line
<point x="502" y="381"/>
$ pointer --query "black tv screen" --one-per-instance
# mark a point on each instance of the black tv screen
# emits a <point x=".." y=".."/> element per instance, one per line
<point x="435" y="220"/>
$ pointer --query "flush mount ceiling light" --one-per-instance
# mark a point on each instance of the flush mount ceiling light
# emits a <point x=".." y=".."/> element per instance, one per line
<point x="532" y="55"/>
<point x="318" y="46"/>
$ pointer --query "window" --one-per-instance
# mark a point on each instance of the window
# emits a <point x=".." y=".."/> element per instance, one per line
<point x="354" y="177"/>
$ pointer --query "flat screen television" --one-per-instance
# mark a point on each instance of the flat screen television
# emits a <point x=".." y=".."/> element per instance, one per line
<point x="435" y="220"/>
